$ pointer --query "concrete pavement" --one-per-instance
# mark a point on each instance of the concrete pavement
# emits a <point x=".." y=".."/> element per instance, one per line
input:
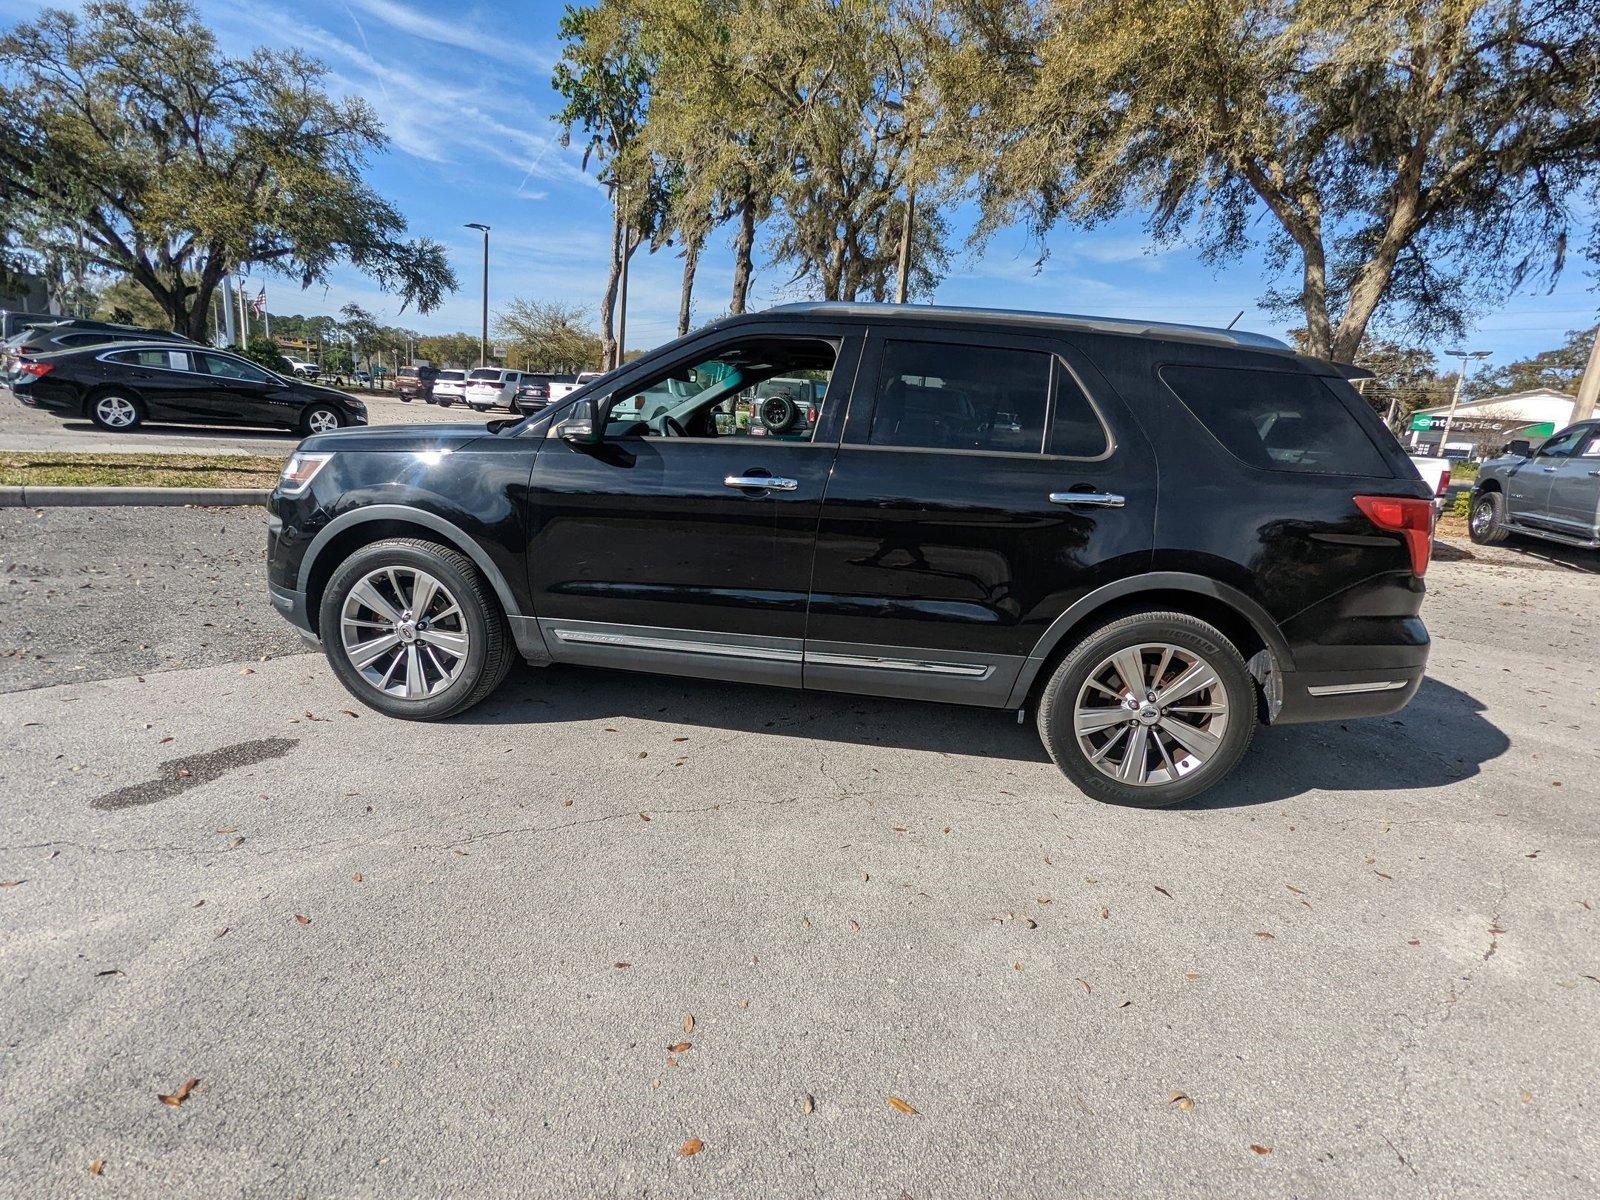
<point x="1370" y="962"/>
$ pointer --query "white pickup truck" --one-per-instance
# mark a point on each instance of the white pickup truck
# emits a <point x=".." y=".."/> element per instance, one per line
<point x="565" y="385"/>
<point x="1435" y="473"/>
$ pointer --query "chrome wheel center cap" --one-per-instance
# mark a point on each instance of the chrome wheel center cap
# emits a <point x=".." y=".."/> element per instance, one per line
<point x="407" y="631"/>
<point x="1149" y="715"/>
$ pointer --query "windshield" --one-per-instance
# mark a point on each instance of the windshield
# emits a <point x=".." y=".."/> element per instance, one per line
<point x="487" y="374"/>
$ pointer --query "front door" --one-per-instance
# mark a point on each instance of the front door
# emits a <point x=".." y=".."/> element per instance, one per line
<point x="979" y="491"/>
<point x="1575" y="488"/>
<point x="241" y="392"/>
<point x="682" y="543"/>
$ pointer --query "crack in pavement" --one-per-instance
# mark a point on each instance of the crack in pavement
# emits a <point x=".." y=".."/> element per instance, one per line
<point x="634" y="813"/>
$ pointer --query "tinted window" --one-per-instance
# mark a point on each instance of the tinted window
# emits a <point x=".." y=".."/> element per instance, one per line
<point x="1277" y="420"/>
<point x="231" y="368"/>
<point x="945" y="397"/>
<point x="83" y="339"/>
<point x="491" y="376"/>
<point x="1075" y="431"/>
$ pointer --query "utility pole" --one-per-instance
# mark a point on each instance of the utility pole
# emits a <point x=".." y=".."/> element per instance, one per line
<point x="1465" y="356"/>
<point x="483" y="335"/>
<point x="1589" y="389"/>
<point x="622" y="299"/>
<point x="903" y="269"/>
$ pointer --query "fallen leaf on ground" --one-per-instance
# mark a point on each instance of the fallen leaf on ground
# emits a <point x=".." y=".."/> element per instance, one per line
<point x="855" y="926"/>
<point x="221" y="932"/>
<point x="1262" y="933"/>
<point x="900" y="1105"/>
<point x="1105" y="914"/>
<point x="236" y="843"/>
<point x="644" y="816"/>
<point x="680" y="1047"/>
<point x="810" y="1105"/>
<point x="1087" y="990"/>
<point x="622" y="966"/>
<point x="1125" y="1004"/>
<point x="1163" y="891"/>
<point x="356" y="877"/>
<point x="644" y="754"/>
<point x="1294" y="889"/>
<point x="97" y="1166"/>
<point x="1182" y="1101"/>
<point x="183" y="772"/>
<point x="1261" y="1149"/>
<point x="688" y="1022"/>
<point x="1381" y="875"/>
<point x="680" y="739"/>
<point x="1191" y="976"/>
<point x="302" y="920"/>
<point x="229" y="829"/>
<point x="692" y="1147"/>
<point x="11" y="883"/>
<point x="461" y="853"/>
<point x="179" y="1096"/>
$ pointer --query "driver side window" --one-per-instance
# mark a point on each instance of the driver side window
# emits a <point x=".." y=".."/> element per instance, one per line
<point x="752" y="388"/>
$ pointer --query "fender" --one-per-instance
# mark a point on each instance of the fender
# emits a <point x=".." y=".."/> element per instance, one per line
<point x="524" y="628"/>
<point x="1163" y="581"/>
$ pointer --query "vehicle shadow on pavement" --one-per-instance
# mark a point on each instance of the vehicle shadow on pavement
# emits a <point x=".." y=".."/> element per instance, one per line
<point x="200" y="432"/>
<point x="1441" y="737"/>
<point x="565" y="693"/>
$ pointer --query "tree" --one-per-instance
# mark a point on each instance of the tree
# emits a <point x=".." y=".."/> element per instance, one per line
<point x="260" y="349"/>
<point x="176" y="163"/>
<point x="449" y="349"/>
<point x="548" y="336"/>
<point x="1404" y="378"/>
<point x="605" y="77"/>
<point x="362" y="331"/>
<point x="1560" y="369"/>
<point x="1413" y="158"/>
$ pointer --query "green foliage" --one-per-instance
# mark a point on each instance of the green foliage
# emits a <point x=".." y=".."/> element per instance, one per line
<point x="449" y="349"/>
<point x="175" y="163"/>
<point x="1413" y="159"/>
<point x="260" y="350"/>
<point x="1462" y="505"/>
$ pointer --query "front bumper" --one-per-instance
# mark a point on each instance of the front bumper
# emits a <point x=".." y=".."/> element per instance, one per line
<point x="292" y="605"/>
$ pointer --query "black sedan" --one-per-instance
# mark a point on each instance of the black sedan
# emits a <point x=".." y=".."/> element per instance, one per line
<point x="120" y="387"/>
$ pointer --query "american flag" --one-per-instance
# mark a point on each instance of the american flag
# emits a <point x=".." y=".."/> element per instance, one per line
<point x="259" y="304"/>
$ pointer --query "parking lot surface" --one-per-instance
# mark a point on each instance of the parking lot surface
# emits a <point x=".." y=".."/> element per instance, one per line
<point x="546" y="947"/>
<point x="29" y="429"/>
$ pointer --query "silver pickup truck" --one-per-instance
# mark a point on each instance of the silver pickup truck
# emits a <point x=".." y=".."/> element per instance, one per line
<point x="1552" y="492"/>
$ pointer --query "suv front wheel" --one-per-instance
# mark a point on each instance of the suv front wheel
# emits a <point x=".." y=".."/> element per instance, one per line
<point x="1149" y="710"/>
<point x="412" y="629"/>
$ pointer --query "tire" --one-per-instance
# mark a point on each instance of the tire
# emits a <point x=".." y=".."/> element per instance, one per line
<point x="314" y="416"/>
<point x="444" y="402"/>
<point x="444" y="688"/>
<point x="779" y="412"/>
<point x="1225" y="735"/>
<point x="116" y="411"/>
<point x="1486" y="520"/>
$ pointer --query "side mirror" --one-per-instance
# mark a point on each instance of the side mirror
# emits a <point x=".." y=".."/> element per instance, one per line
<point x="1521" y="447"/>
<point x="582" y="426"/>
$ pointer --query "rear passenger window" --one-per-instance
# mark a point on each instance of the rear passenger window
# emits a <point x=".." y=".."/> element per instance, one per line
<point x="1277" y="420"/>
<point x="936" y="396"/>
<point x="1075" y="431"/>
<point x="144" y="358"/>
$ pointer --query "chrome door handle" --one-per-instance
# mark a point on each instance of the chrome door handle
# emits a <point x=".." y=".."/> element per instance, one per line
<point x="1091" y="499"/>
<point x="770" y="482"/>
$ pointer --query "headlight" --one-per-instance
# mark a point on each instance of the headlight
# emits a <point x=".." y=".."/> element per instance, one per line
<point x="299" y="471"/>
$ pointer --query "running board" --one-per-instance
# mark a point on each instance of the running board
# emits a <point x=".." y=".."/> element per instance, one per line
<point x="1566" y="539"/>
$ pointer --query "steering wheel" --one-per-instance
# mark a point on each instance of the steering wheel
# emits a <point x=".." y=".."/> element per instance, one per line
<point x="671" y="428"/>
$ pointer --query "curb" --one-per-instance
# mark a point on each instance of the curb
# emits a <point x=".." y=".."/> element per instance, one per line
<point x="91" y="497"/>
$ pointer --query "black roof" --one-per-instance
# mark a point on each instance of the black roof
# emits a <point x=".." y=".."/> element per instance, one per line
<point x="954" y="314"/>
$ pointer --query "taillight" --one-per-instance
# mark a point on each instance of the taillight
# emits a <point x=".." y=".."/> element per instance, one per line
<point x="1444" y="483"/>
<point x="1412" y="519"/>
<point x="36" y="369"/>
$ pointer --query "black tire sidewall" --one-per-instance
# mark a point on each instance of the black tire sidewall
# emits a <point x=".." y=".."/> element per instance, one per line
<point x="1060" y="695"/>
<point x="460" y="693"/>
<point x="94" y="416"/>
<point x="1495" y="532"/>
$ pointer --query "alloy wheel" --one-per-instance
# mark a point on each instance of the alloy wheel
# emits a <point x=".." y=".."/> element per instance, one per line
<point x="404" y="632"/>
<point x="1151" y="714"/>
<point x="115" y="411"/>
<point x="322" y="420"/>
<point x="1482" y="515"/>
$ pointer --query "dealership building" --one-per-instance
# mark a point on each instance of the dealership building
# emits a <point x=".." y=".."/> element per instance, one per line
<point x="1483" y="426"/>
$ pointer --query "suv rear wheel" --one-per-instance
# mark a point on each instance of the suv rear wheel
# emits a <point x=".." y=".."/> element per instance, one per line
<point x="1149" y="710"/>
<point x="412" y="629"/>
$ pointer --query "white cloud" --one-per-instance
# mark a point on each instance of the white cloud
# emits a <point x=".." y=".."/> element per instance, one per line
<point x="465" y="35"/>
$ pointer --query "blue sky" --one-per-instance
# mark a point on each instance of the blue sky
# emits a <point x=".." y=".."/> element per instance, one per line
<point x="464" y="93"/>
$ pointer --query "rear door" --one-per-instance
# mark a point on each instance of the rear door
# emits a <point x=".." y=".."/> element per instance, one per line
<point x="163" y="379"/>
<point x="665" y="547"/>
<point x="985" y="482"/>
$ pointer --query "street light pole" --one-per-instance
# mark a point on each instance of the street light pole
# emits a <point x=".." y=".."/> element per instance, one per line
<point x="1465" y="356"/>
<point x="483" y="335"/>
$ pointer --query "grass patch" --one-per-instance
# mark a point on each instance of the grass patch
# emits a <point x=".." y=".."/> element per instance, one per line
<point x="137" y="470"/>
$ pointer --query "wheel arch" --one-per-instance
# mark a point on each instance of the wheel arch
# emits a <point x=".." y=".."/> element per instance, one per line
<point x="94" y="393"/>
<point x="1488" y="485"/>
<point x="350" y="531"/>
<point x="1242" y="620"/>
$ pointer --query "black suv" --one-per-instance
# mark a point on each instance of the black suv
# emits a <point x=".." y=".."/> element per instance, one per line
<point x="121" y="386"/>
<point x="1151" y="536"/>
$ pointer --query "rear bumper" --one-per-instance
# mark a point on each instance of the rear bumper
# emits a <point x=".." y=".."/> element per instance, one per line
<point x="1342" y="695"/>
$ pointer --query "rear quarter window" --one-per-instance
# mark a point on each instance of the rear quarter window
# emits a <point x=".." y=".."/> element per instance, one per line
<point x="1277" y="420"/>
